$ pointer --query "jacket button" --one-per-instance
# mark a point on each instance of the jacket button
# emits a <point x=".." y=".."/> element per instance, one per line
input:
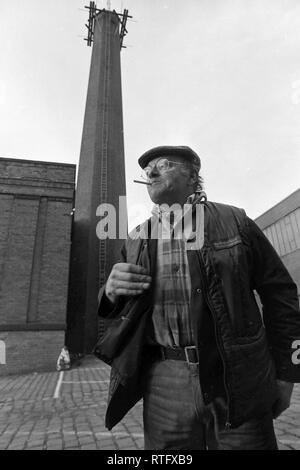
<point x="199" y="291"/>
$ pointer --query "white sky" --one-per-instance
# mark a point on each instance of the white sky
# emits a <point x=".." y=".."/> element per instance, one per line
<point x="221" y="76"/>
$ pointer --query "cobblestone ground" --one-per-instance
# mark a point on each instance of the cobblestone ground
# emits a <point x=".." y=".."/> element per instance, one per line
<point x="65" y="410"/>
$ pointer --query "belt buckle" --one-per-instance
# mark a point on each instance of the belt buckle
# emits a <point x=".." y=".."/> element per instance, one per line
<point x="187" y="355"/>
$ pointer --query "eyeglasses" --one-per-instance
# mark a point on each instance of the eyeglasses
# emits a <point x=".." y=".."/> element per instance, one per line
<point x="162" y="165"/>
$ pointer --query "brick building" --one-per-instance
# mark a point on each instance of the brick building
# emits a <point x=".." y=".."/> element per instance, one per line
<point x="36" y="202"/>
<point x="37" y="295"/>
<point x="281" y="225"/>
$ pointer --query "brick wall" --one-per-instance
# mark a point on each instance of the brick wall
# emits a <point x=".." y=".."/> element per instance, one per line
<point x="36" y="202"/>
<point x="281" y="225"/>
<point x="30" y="351"/>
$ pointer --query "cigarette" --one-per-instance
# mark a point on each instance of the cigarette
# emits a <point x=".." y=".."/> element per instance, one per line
<point x="141" y="182"/>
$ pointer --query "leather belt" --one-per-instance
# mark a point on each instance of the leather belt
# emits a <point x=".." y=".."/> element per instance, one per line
<point x="188" y="354"/>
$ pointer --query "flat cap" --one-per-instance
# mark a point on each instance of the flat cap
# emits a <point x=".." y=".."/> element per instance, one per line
<point x="168" y="151"/>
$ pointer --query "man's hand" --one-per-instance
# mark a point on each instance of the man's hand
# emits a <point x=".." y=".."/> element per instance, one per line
<point x="126" y="279"/>
<point x="285" y="390"/>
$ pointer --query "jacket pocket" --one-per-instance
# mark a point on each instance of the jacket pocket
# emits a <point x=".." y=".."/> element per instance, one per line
<point x="226" y="244"/>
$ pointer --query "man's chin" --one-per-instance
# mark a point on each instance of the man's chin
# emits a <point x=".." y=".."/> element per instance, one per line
<point x="156" y="197"/>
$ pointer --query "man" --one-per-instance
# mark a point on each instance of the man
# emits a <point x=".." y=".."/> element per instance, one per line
<point x="184" y="331"/>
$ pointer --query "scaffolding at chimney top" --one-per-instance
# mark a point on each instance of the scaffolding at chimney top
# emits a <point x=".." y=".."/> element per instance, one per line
<point x="93" y="12"/>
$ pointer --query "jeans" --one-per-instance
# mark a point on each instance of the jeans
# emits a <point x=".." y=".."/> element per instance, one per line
<point x="175" y="416"/>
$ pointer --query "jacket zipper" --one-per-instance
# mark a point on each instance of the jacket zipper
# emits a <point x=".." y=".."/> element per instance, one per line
<point x="220" y="347"/>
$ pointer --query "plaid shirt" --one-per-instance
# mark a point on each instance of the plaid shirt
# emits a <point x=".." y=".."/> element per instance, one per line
<point x="171" y="313"/>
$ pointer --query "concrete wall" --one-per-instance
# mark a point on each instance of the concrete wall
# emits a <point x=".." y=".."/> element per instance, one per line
<point x="281" y="225"/>
<point x="36" y="202"/>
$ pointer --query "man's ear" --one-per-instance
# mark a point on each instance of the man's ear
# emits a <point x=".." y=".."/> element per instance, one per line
<point x="194" y="178"/>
